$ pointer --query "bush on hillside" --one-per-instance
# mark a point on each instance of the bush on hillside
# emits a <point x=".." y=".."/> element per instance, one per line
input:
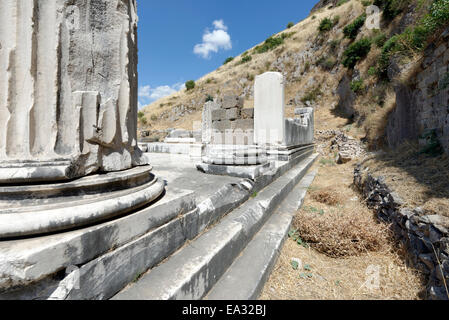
<point x="352" y="30"/>
<point x="269" y="44"/>
<point x="228" y="60"/>
<point x="246" y="59"/>
<point x="190" y="85"/>
<point x="391" y="8"/>
<point x="356" y="52"/>
<point x="325" y="25"/>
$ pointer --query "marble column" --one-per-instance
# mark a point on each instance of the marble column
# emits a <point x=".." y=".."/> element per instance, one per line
<point x="269" y="109"/>
<point x="68" y="89"/>
<point x="68" y="116"/>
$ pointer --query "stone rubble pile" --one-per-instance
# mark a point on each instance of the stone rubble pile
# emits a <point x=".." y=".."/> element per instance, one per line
<point x="426" y="236"/>
<point x="347" y="147"/>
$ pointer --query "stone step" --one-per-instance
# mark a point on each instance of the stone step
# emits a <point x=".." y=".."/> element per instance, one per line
<point x="194" y="270"/>
<point x="136" y="243"/>
<point x="251" y="269"/>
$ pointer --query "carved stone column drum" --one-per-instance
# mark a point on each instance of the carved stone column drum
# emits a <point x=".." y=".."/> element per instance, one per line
<point x="68" y="115"/>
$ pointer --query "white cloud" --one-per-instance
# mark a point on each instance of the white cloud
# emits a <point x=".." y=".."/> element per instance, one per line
<point x="214" y="40"/>
<point x="148" y="95"/>
<point x="219" y="24"/>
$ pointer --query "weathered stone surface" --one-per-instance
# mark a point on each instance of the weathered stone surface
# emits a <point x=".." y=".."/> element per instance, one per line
<point x="262" y="252"/>
<point x="232" y="114"/>
<point x="222" y="125"/>
<point x="243" y="124"/>
<point x="346" y="97"/>
<point x="300" y="131"/>
<point x="231" y="101"/>
<point x="206" y="126"/>
<point x="247" y="113"/>
<point x="423" y="235"/>
<point x="269" y="124"/>
<point x="26" y="261"/>
<point x="233" y="137"/>
<point x="219" y="114"/>
<point x="248" y="172"/>
<point x="33" y="210"/>
<point x="68" y="88"/>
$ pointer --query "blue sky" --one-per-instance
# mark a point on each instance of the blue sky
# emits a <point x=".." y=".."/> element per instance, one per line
<point x="182" y="40"/>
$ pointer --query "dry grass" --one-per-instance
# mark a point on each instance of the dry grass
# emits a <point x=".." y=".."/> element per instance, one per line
<point x="334" y="221"/>
<point x="420" y="180"/>
<point x="329" y="197"/>
<point x="349" y="244"/>
<point x="342" y="278"/>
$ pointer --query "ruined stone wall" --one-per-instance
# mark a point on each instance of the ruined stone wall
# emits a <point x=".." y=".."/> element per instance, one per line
<point x="424" y="105"/>
<point x="425" y="236"/>
<point x="231" y="124"/>
<point x="432" y="93"/>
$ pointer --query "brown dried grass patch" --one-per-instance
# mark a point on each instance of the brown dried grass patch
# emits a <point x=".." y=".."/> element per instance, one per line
<point x="329" y="197"/>
<point x="341" y="233"/>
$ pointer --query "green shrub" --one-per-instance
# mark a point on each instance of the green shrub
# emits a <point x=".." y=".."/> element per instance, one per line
<point x="190" y="85"/>
<point x="269" y="44"/>
<point x="290" y="24"/>
<point x="325" y="25"/>
<point x="228" y="60"/>
<point x="357" y="86"/>
<point x="246" y="59"/>
<point x="380" y="39"/>
<point x="391" y="8"/>
<point x="352" y="30"/>
<point x="356" y="52"/>
<point x="327" y="63"/>
<point x="209" y="98"/>
<point x="437" y="18"/>
<point x="140" y="115"/>
<point x="390" y="47"/>
<point x="372" y="71"/>
<point x="340" y="2"/>
<point x="153" y="117"/>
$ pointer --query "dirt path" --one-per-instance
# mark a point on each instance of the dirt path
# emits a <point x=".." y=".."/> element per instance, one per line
<point x="340" y="250"/>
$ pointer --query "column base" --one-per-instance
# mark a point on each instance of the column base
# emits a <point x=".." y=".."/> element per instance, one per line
<point x="37" y="209"/>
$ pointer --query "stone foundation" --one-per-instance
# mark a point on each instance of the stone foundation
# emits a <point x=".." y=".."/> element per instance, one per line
<point x="426" y="237"/>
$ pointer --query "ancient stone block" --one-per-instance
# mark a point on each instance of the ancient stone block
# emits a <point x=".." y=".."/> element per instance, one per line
<point x="232" y="114"/>
<point x="231" y="101"/>
<point x="221" y="125"/>
<point x="243" y="124"/>
<point x="247" y="113"/>
<point x="219" y="114"/>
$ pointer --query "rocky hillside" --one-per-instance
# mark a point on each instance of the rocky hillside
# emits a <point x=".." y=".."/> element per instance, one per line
<point x="358" y="79"/>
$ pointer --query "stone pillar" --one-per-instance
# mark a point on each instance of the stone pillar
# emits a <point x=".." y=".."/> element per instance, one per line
<point x="68" y="109"/>
<point x="269" y="109"/>
<point x="206" y="127"/>
<point x="68" y="89"/>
